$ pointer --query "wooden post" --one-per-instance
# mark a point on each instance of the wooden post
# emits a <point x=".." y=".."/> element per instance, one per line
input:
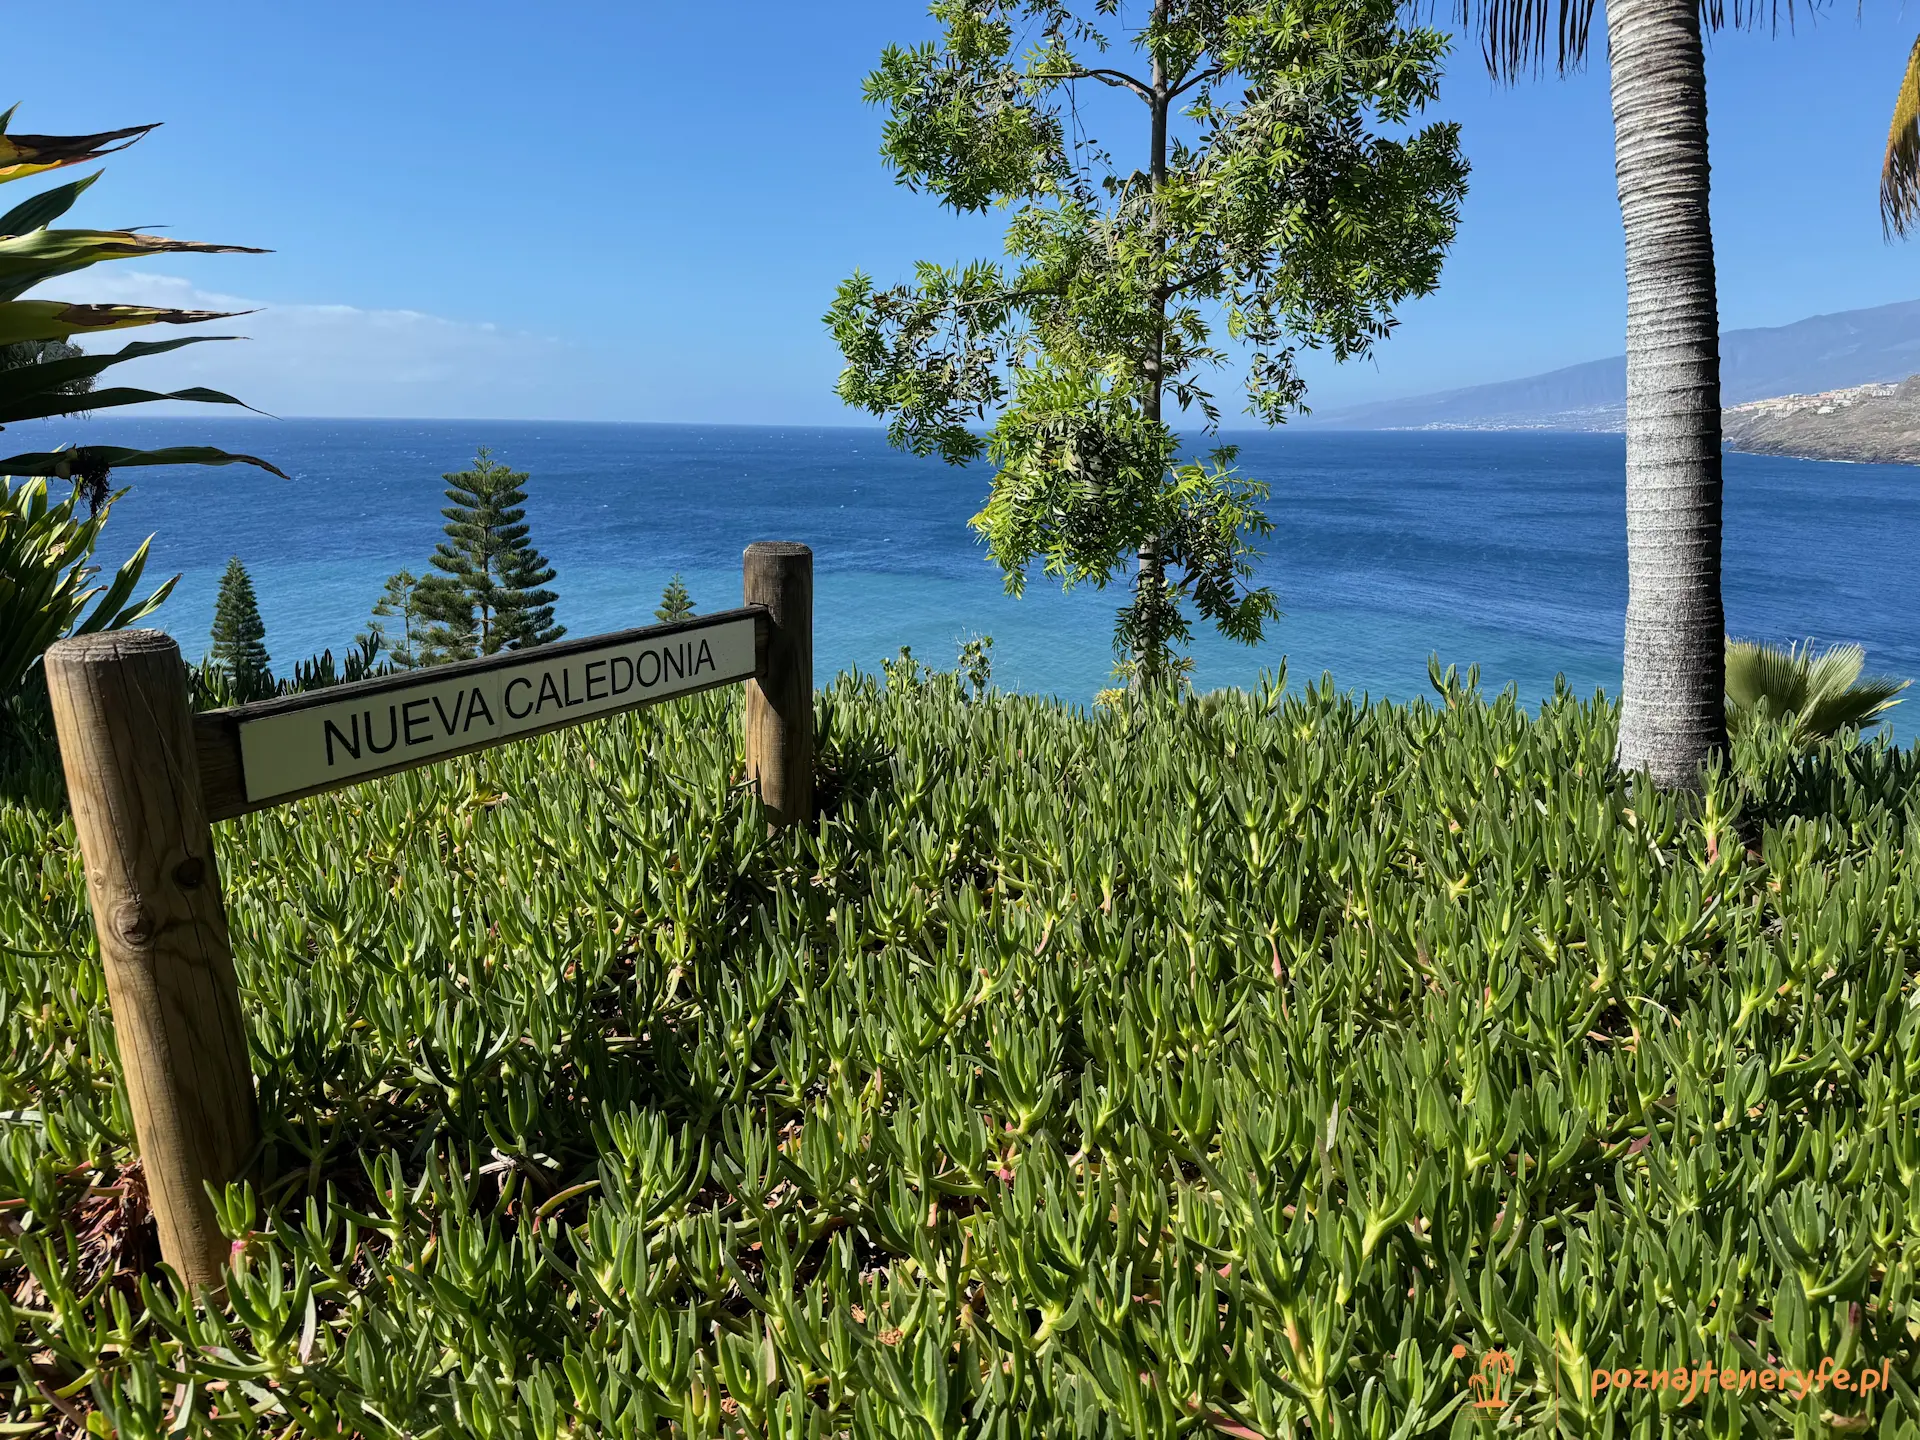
<point x="127" y="744"/>
<point x="779" y="575"/>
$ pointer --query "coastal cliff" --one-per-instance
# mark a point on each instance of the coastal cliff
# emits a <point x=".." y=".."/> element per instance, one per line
<point x="1873" y="424"/>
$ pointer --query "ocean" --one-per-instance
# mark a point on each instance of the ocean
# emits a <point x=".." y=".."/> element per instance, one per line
<point x="1505" y="550"/>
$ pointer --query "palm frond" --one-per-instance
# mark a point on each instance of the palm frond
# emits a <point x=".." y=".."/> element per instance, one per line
<point x="1517" y="36"/>
<point x="1815" y="696"/>
<point x="1900" y="171"/>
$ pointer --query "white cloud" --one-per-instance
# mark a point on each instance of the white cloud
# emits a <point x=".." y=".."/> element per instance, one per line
<point x="339" y="359"/>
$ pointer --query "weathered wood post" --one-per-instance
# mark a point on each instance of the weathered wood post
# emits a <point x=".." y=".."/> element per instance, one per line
<point x="126" y="734"/>
<point x="779" y="575"/>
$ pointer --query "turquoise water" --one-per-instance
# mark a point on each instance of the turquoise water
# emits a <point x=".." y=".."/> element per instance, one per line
<point x="1505" y="550"/>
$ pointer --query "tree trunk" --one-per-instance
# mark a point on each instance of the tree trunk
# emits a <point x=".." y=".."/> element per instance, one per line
<point x="1673" y="703"/>
<point x="1149" y="658"/>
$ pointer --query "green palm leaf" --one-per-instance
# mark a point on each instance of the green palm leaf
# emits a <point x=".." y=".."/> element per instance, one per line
<point x="1815" y="696"/>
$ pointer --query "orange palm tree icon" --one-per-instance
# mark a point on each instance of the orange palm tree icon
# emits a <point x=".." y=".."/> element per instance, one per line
<point x="1491" y="1380"/>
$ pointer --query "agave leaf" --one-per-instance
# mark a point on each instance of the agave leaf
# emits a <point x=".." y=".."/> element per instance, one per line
<point x="59" y="320"/>
<point x="64" y="464"/>
<point x="35" y="408"/>
<point x="112" y="612"/>
<point x="26" y="260"/>
<point x="23" y="155"/>
<point x="27" y="382"/>
<point x="45" y="208"/>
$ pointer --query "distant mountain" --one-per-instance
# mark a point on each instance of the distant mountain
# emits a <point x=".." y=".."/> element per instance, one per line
<point x="1878" y="424"/>
<point x="1826" y="352"/>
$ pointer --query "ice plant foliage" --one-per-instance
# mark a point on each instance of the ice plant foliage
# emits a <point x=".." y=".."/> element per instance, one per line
<point x="1249" y="1067"/>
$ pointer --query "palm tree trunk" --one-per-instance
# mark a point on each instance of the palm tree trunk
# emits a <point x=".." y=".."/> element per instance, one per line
<point x="1673" y="705"/>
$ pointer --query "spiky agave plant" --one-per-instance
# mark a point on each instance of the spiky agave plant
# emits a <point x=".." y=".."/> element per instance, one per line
<point x="1815" y="696"/>
<point x="54" y="385"/>
<point x="45" y="575"/>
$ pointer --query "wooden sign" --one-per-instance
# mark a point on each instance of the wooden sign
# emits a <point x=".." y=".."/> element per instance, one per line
<point x="316" y="741"/>
<point x="146" y="777"/>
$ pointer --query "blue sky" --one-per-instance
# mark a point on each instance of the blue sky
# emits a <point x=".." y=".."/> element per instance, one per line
<point x="639" y="211"/>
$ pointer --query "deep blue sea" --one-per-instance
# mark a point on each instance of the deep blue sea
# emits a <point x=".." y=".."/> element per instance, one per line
<point x="1504" y="550"/>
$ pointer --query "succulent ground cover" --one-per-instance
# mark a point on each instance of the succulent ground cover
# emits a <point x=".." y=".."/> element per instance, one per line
<point x="1246" y="1066"/>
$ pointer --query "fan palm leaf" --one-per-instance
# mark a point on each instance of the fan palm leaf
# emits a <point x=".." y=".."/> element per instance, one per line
<point x="1815" y="695"/>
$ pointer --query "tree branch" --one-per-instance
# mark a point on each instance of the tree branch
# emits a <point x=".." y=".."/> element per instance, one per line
<point x="1119" y="79"/>
<point x="1213" y="72"/>
<point x="1192" y="278"/>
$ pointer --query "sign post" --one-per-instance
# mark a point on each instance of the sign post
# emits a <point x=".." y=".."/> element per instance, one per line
<point x="779" y="576"/>
<point x="146" y="777"/>
<point x="133" y="780"/>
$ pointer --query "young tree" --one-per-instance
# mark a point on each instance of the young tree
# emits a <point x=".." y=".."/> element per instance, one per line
<point x="1272" y="190"/>
<point x="488" y="595"/>
<point x="675" y="602"/>
<point x="399" y="602"/>
<point x="239" y="635"/>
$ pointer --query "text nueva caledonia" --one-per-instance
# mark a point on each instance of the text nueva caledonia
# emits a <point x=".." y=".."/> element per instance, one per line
<point x="524" y="698"/>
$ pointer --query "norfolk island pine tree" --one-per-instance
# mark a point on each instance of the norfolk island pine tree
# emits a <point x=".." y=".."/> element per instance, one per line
<point x="1283" y="212"/>
<point x="488" y="595"/>
<point x="239" y="636"/>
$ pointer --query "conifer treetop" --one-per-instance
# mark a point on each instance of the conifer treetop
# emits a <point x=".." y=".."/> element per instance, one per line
<point x="489" y="593"/>
<point x="239" y="635"/>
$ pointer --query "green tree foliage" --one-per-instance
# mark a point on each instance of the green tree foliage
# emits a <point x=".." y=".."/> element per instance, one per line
<point x="1274" y="194"/>
<point x="43" y="376"/>
<point x="240" y="636"/>
<point x="46" y="553"/>
<point x="396" y="624"/>
<point x="1812" y="697"/>
<point x="675" y="602"/>
<point x="488" y="595"/>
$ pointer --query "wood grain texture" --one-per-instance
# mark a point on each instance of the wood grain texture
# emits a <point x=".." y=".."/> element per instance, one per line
<point x="217" y="732"/>
<point x="779" y="719"/>
<point x="120" y="708"/>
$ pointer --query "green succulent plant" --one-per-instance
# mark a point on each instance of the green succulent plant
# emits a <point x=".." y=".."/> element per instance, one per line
<point x="1243" y="1067"/>
<point x="45" y="578"/>
<point x="1812" y="696"/>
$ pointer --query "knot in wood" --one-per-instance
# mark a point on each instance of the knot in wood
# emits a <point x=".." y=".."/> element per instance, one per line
<point x="190" y="872"/>
<point x="133" y="922"/>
